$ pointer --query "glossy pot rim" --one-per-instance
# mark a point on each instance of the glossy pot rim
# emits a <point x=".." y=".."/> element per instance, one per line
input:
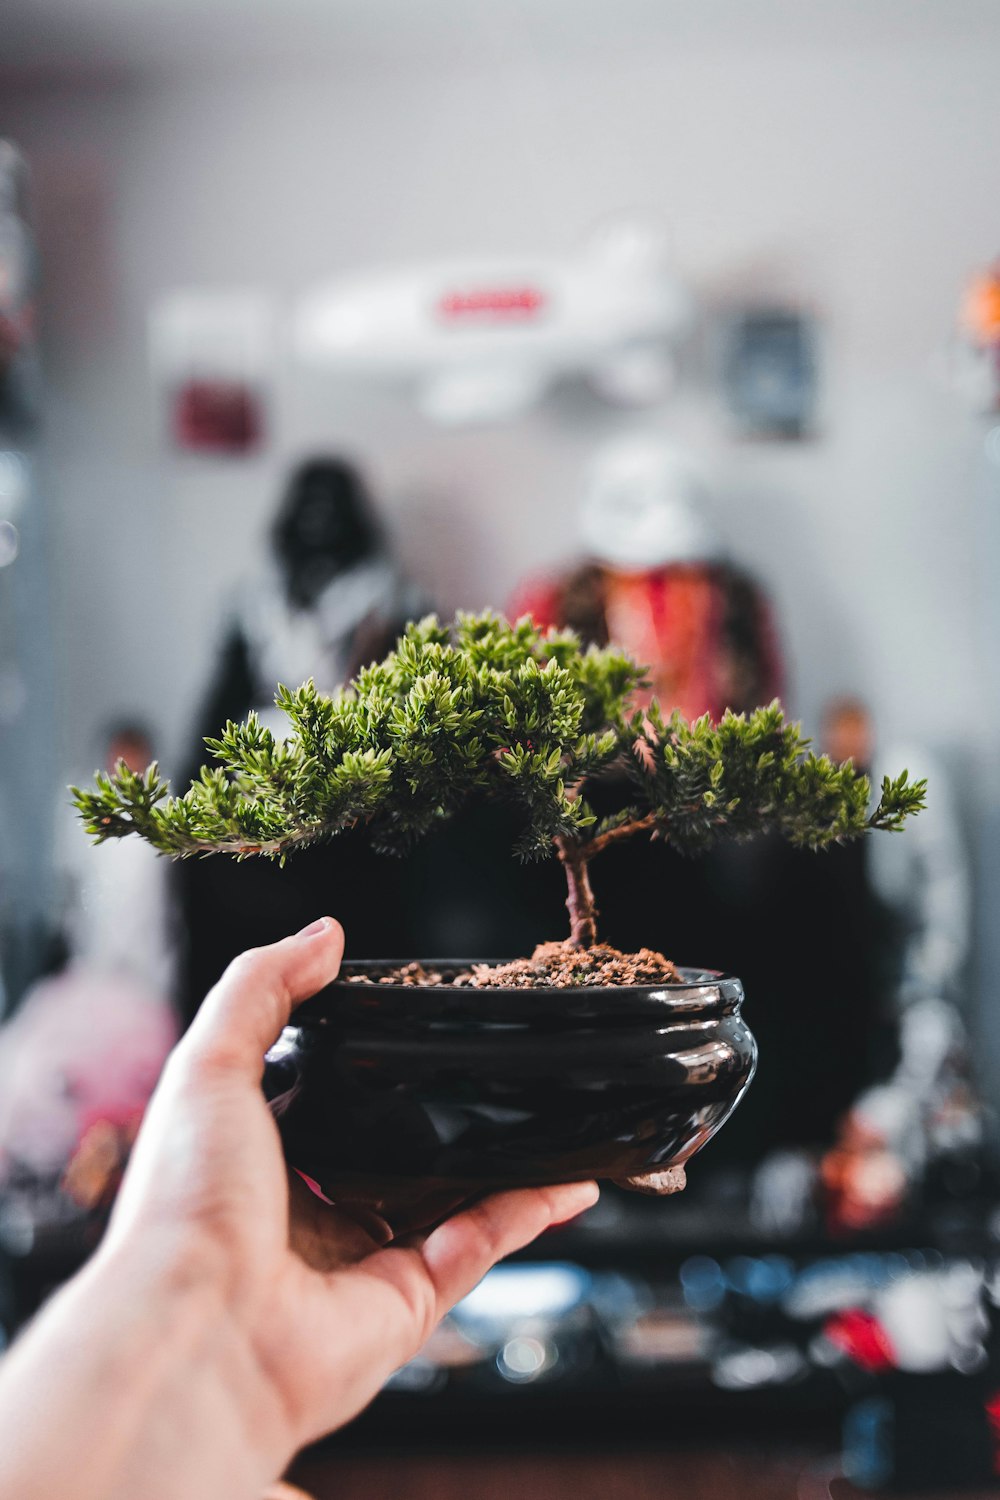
<point x="703" y="994"/>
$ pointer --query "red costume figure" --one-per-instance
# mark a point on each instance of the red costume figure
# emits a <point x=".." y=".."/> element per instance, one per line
<point x="658" y="585"/>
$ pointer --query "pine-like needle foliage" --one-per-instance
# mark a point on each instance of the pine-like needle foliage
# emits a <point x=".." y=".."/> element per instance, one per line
<point x="483" y="707"/>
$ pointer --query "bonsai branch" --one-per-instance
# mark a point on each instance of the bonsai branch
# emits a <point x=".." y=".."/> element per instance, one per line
<point x="623" y="831"/>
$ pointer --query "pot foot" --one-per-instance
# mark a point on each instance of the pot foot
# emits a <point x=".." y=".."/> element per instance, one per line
<point x="656" y="1184"/>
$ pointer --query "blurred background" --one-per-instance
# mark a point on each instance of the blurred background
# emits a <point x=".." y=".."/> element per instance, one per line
<point x="678" y="324"/>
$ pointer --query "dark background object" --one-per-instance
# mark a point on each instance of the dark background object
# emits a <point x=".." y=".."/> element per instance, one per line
<point x="769" y="372"/>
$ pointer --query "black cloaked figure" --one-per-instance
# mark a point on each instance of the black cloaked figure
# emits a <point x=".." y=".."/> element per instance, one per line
<point x="327" y="600"/>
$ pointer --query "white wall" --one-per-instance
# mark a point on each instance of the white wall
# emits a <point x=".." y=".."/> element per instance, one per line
<point x="865" y="180"/>
<point x="862" y="179"/>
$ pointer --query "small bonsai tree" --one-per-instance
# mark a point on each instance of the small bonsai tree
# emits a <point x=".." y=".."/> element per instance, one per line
<point x="486" y="708"/>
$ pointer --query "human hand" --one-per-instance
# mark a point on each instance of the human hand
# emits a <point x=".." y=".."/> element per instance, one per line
<point x="310" y="1308"/>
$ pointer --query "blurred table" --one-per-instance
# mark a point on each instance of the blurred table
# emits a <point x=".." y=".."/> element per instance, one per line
<point x="649" y="1475"/>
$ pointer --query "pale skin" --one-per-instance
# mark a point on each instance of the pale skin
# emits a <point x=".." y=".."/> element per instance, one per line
<point x="229" y="1316"/>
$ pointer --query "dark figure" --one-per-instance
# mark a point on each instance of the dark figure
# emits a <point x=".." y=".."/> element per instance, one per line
<point x="328" y="601"/>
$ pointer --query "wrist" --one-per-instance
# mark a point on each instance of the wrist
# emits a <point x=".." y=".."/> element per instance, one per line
<point x="152" y="1348"/>
<point x="207" y="1395"/>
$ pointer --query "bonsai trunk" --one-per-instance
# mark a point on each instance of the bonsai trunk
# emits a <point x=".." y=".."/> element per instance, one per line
<point x="580" y="897"/>
<point x="576" y="859"/>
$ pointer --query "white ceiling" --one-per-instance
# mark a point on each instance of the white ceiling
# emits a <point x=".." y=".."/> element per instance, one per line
<point x="86" y="35"/>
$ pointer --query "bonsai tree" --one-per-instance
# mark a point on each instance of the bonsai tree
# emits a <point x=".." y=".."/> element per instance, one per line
<point x="484" y="708"/>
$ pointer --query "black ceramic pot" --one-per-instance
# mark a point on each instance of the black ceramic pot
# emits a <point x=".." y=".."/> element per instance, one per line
<point x="384" y="1091"/>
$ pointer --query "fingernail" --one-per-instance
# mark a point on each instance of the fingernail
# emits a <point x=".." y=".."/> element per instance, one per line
<point x="315" y="928"/>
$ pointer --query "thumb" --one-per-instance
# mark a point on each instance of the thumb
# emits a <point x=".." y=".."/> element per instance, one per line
<point x="244" y="1013"/>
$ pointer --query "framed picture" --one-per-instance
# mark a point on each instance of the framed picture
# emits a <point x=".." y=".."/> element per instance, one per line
<point x="769" y="373"/>
<point x="212" y="356"/>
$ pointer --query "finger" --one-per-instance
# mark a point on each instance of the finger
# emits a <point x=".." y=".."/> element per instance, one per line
<point x="244" y="1013"/>
<point x="430" y="1279"/>
<point x="382" y="1310"/>
<point x="461" y="1250"/>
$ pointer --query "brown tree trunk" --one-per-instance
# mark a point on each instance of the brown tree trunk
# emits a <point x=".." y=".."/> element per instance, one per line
<point x="580" y="897"/>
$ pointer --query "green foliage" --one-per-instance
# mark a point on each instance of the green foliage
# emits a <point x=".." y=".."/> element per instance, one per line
<point x="753" y="773"/>
<point x="483" y="707"/>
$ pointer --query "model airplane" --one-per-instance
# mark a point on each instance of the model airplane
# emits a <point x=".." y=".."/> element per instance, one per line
<point x="486" y="339"/>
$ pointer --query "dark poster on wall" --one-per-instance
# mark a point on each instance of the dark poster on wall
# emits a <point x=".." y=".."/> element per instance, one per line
<point x="770" y="374"/>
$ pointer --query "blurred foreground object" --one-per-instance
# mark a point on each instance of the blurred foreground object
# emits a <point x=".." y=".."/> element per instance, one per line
<point x="486" y="339"/>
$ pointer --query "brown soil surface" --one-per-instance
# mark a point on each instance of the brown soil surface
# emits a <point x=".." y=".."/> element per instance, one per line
<point x="552" y="965"/>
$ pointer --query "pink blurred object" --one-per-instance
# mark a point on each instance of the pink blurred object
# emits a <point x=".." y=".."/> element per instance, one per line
<point x="84" y="1048"/>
